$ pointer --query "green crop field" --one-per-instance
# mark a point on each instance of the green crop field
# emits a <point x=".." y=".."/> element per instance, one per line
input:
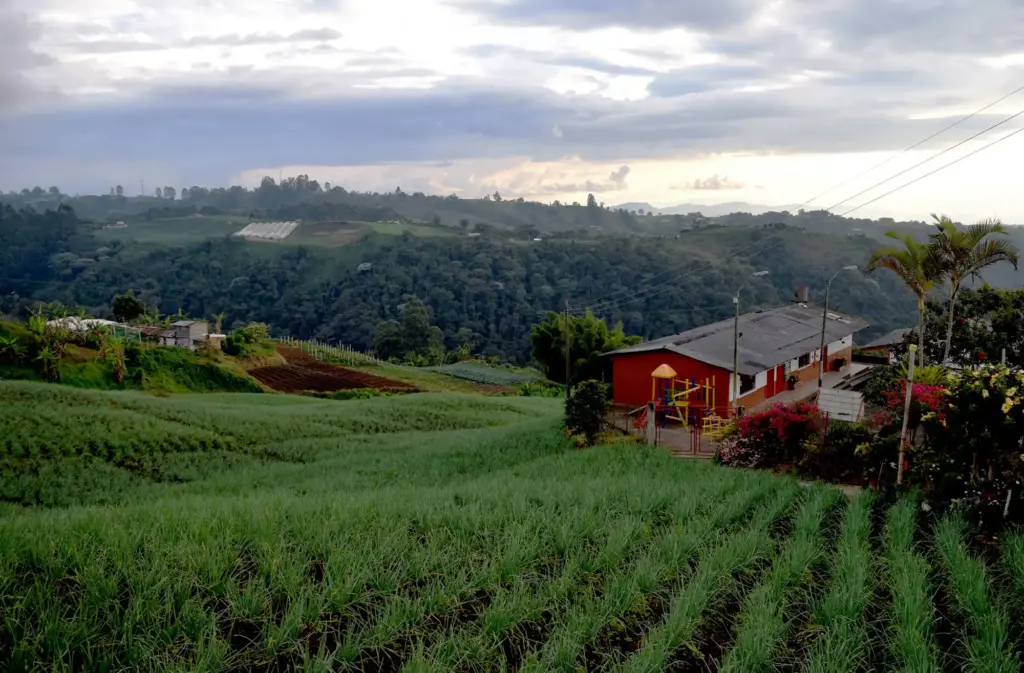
<point x="176" y="231"/>
<point x="450" y="532"/>
<point x="480" y="373"/>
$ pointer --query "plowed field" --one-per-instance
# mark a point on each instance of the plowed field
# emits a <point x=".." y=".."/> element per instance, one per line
<point x="306" y="373"/>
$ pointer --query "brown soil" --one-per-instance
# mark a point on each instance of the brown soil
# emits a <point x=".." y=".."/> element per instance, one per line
<point x="305" y="373"/>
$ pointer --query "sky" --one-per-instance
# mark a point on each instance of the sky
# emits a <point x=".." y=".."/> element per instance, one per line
<point x="659" y="101"/>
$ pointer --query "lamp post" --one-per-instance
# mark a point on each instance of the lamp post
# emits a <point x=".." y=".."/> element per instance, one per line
<point x="824" y="322"/>
<point x="735" y="398"/>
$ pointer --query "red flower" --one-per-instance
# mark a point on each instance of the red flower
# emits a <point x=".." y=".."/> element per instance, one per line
<point x="982" y="356"/>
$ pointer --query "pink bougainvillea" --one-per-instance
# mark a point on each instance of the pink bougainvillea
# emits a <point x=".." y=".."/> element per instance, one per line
<point x="773" y="436"/>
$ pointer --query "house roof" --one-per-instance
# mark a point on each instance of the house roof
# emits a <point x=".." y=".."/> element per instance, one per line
<point x="158" y="332"/>
<point x="891" y="339"/>
<point x="767" y="338"/>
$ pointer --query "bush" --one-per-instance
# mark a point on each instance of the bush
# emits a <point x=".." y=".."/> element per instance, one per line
<point x="585" y="409"/>
<point x="972" y="459"/>
<point x="779" y="435"/>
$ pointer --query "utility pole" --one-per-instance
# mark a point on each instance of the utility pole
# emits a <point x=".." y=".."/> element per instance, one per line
<point x="734" y="399"/>
<point x="568" y="362"/>
<point x="824" y="322"/>
<point x="906" y="414"/>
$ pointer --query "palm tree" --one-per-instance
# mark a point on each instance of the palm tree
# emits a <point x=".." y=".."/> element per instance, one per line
<point x="218" y="321"/>
<point x="916" y="265"/>
<point x="962" y="253"/>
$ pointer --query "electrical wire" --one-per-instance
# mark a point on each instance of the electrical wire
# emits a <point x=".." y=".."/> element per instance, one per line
<point x="931" y="158"/>
<point x="912" y="147"/>
<point x="940" y="168"/>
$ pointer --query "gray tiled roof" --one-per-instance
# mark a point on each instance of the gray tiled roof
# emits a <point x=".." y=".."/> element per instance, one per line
<point x="892" y="338"/>
<point x="767" y="338"/>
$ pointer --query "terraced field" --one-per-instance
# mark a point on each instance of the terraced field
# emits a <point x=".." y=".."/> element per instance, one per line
<point x="461" y="533"/>
<point x="305" y="373"/>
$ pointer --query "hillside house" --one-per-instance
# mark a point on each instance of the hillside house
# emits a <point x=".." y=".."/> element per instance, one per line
<point x="886" y="345"/>
<point x="190" y="333"/>
<point x="773" y="345"/>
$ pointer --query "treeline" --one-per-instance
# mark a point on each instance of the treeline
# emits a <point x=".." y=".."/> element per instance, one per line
<point x="483" y="291"/>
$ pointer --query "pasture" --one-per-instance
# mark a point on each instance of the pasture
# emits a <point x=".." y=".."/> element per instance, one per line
<point x="448" y="532"/>
<point x="176" y="231"/>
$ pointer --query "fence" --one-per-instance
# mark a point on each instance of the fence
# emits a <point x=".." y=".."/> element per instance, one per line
<point x="340" y="354"/>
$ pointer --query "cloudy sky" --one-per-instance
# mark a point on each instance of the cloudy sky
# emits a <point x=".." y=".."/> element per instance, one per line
<point x="665" y="101"/>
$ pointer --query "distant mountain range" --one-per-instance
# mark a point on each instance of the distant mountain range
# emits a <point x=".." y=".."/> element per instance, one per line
<point x="709" y="211"/>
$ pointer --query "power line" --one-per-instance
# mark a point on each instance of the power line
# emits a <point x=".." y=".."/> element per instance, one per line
<point x="931" y="158"/>
<point x="912" y="147"/>
<point x="940" y="168"/>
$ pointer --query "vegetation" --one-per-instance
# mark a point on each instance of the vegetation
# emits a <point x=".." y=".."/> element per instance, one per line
<point x="916" y="266"/>
<point x="441" y="532"/>
<point x="490" y="375"/>
<point x="485" y="291"/>
<point x="589" y="339"/>
<point x="585" y="409"/>
<point x="962" y="254"/>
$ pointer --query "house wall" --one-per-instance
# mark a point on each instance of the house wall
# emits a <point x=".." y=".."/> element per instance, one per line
<point x="631" y="376"/>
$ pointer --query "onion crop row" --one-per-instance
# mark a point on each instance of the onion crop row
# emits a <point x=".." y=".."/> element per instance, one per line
<point x="988" y="647"/>
<point x="910" y="642"/>
<point x="842" y="641"/>
<point x="763" y="619"/>
<point x="710" y="583"/>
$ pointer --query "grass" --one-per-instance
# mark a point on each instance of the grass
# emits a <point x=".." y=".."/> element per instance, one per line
<point x="842" y="641"/>
<point x="445" y="532"/>
<point x="422" y="230"/>
<point x="989" y="647"/>
<point x="176" y="231"/>
<point x="481" y="373"/>
<point x="911" y="639"/>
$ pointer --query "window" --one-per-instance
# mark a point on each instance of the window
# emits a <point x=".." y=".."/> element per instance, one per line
<point x="804" y="360"/>
<point x="746" y="383"/>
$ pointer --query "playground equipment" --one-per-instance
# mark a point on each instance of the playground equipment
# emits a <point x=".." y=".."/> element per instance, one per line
<point x="687" y="401"/>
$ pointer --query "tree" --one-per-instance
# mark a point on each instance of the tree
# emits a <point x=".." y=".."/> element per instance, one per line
<point x="387" y="339"/>
<point x="158" y="193"/>
<point x="916" y="265"/>
<point x="591" y="201"/>
<point x="218" y="321"/>
<point x="415" y="326"/>
<point x="497" y="197"/>
<point x="963" y="253"/>
<point x="119" y="190"/>
<point x="169" y="193"/>
<point x="54" y="191"/>
<point x="464" y="224"/>
<point x="127" y="307"/>
<point x="589" y="339"/>
<point x="585" y="410"/>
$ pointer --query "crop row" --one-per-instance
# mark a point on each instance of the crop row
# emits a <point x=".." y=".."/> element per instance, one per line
<point x="484" y="374"/>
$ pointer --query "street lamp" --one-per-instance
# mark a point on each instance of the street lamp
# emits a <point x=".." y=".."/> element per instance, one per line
<point x="824" y="322"/>
<point x="736" y="341"/>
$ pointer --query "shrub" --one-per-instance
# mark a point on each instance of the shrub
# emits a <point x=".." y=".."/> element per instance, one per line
<point x="973" y="459"/>
<point x="236" y="345"/>
<point x="585" y="409"/>
<point x="774" y="436"/>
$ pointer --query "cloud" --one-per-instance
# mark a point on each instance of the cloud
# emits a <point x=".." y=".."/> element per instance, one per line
<point x="18" y="58"/>
<point x="711" y="183"/>
<point x="516" y="54"/>
<point x="228" y="40"/>
<point x="646" y="14"/>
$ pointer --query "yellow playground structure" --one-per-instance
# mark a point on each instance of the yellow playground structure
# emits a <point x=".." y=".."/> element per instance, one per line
<point x="687" y="401"/>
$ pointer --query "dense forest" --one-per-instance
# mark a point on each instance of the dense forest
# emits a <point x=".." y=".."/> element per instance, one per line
<point x="495" y="285"/>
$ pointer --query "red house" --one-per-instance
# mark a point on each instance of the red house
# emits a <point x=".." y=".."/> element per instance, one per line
<point x="773" y="345"/>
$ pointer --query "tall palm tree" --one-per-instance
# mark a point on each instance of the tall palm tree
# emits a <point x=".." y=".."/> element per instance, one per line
<point x="219" y="321"/>
<point x="916" y="265"/>
<point x="962" y="253"/>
